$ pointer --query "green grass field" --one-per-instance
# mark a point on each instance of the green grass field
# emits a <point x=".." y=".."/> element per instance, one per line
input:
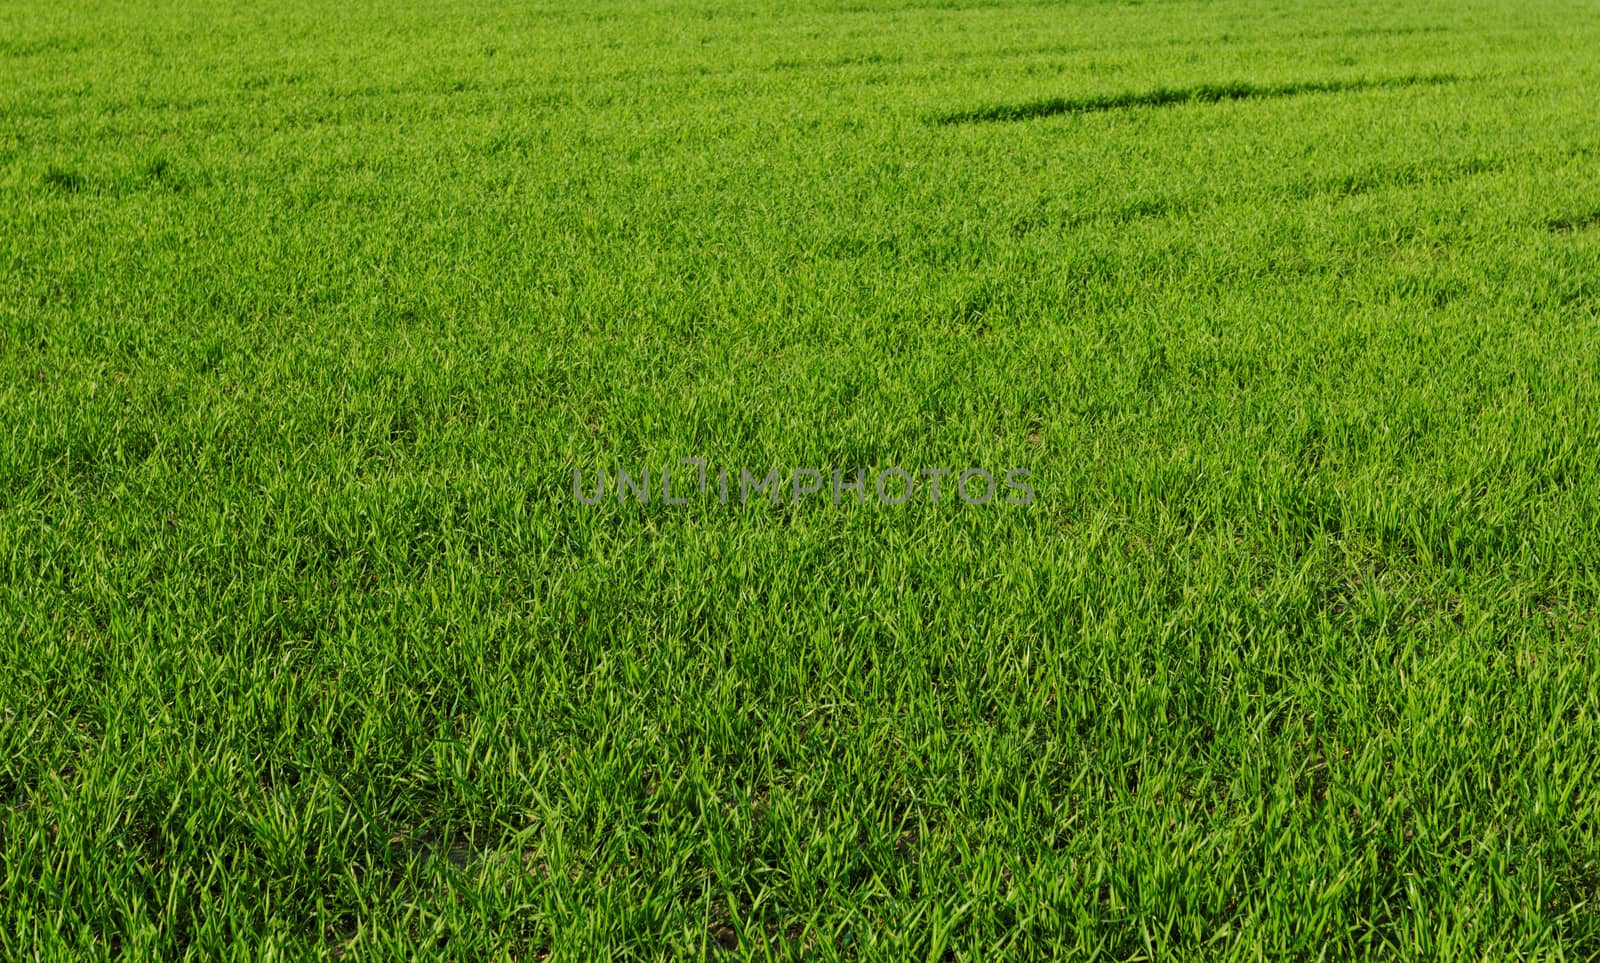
<point x="311" y="312"/>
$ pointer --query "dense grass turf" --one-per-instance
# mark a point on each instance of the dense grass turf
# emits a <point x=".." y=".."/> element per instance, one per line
<point x="309" y="311"/>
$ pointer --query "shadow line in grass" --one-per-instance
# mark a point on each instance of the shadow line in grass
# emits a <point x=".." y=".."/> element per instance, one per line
<point x="1172" y="96"/>
<point x="1408" y="174"/>
<point x="1574" y="225"/>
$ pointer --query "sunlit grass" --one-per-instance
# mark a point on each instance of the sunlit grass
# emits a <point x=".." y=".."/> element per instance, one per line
<point x="310" y="312"/>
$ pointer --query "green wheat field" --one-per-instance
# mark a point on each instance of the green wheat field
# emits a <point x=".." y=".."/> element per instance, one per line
<point x="320" y="322"/>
